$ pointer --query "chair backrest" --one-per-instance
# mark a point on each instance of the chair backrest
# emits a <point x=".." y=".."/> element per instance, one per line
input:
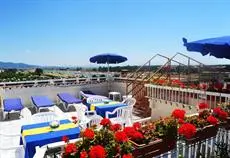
<point x="124" y="112"/>
<point x="26" y="116"/>
<point x="95" y="120"/>
<point x="59" y="112"/>
<point x="95" y="99"/>
<point x="12" y="152"/>
<point x="129" y="101"/>
<point x="80" y="110"/>
<point x="11" y="128"/>
<point x="44" y="117"/>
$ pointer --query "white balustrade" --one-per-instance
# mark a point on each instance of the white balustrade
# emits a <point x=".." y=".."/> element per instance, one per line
<point x="185" y="96"/>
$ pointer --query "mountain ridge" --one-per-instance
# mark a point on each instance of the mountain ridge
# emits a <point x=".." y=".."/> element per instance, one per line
<point x="12" y="65"/>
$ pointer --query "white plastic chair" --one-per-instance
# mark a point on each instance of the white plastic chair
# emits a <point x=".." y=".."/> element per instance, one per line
<point x="12" y="152"/>
<point x="11" y="128"/>
<point x="81" y="110"/>
<point x="95" y="120"/>
<point x="9" y="146"/>
<point x="26" y="116"/>
<point x="123" y="115"/>
<point x="40" y="151"/>
<point x="61" y="115"/>
<point x="44" y="117"/>
<point x="129" y="101"/>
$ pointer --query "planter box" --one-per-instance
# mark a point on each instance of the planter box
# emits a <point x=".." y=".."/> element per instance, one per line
<point x="228" y="120"/>
<point x="224" y="125"/>
<point x="152" y="149"/>
<point x="204" y="133"/>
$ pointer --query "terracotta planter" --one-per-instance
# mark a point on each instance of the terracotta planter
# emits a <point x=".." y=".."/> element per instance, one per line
<point x="204" y="133"/>
<point x="152" y="149"/>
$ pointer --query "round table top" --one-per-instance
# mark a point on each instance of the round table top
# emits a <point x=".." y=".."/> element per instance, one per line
<point x="114" y="93"/>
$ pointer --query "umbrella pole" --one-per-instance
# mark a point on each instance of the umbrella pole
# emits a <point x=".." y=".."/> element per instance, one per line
<point x="108" y="77"/>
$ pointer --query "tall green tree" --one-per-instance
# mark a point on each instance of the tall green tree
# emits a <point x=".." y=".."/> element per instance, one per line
<point x="38" y="71"/>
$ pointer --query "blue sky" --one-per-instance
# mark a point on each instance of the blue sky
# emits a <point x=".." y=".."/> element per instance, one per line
<point x="69" y="32"/>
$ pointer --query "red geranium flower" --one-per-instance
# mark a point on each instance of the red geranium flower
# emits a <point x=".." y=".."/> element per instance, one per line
<point x="115" y="127"/>
<point x="223" y="114"/>
<point x="161" y="81"/>
<point x="136" y="125"/>
<point x="212" y="120"/>
<point x="181" y="121"/>
<point x="182" y="85"/>
<point x="220" y="113"/>
<point x="218" y="86"/>
<point x="137" y="135"/>
<point x="74" y="117"/>
<point x="127" y="156"/>
<point x="178" y="114"/>
<point x="83" y="154"/>
<point x="65" y="139"/>
<point x="217" y="110"/>
<point x="97" y="151"/>
<point x="105" y="122"/>
<point x="121" y="137"/>
<point x="187" y="130"/>
<point x="203" y="106"/>
<point x="70" y="148"/>
<point x="129" y="131"/>
<point x="88" y="133"/>
<point x="193" y="86"/>
<point x="176" y="82"/>
<point x="203" y="86"/>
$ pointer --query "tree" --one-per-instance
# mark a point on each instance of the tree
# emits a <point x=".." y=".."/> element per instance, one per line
<point x="38" y="71"/>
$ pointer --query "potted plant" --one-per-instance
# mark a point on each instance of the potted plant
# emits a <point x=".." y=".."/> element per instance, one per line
<point x="222" y="114"/>
<point x="205" y="125"/>
<point x="110" y="141"/>
<point x="154" y="138"/>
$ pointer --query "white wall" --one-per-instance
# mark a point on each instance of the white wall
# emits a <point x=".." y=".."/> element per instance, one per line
<point x="163" y="108"/>
<point x="51" y="91"/>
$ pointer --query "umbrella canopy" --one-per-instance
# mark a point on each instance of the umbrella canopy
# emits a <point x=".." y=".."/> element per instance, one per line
<point x="107" y="59"/>
<point x="218" y="47"/>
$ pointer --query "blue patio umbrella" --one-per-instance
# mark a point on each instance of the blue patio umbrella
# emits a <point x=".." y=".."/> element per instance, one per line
<point x="218" y="47"/>
<point x="107" y="58"/>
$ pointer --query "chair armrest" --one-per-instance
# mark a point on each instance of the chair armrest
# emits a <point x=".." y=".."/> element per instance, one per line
<point x="10" y="135"/>
<point x="107" y="113"/>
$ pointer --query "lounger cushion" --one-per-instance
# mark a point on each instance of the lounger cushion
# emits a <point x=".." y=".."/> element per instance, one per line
<point x="12" y="104"/>
<point x="42" y="101"/>
<point x="68" y="98"/>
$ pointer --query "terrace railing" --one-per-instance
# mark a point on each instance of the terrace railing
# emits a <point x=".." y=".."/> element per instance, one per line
<point x="185" y="96"/>
<point x="53" y="82"/>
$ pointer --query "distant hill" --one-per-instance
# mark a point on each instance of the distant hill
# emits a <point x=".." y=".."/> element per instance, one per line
<point x="11" y="65"/>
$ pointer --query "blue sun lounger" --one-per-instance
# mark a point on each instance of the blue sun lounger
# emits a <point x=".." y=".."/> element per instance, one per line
<point x="42" y="102"/>
<point x="68" y="99"/>
<point x="12" y="105"/>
